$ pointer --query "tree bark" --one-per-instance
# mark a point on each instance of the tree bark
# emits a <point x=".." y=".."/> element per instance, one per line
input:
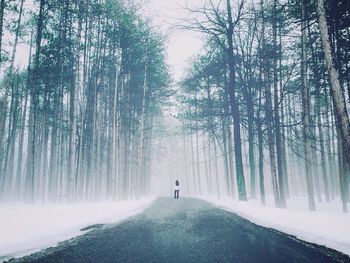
<point x="306" y="115"/>
<point x="277" y="124"/>
<point x="2" y="10"/>
<point x="336" y="91"/>
<point x="242" y="194"/>
<point x="34" y="99"/>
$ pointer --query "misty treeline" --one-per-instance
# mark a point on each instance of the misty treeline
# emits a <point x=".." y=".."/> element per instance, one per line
<point x="77" y="118"/>
<point x="269" y="96"/>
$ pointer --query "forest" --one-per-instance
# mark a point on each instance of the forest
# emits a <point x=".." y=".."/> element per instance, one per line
<point x="263" y="109"/>
<point x="269" y="96"/>
<point x="76" y="122"/>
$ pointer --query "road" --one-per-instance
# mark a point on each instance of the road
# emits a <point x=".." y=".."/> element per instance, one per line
<point x="185" y="230"/>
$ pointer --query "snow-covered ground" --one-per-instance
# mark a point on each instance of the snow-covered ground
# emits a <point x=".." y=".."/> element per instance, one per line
<point x="327" y="226"/>
<point x="26" y="228"/>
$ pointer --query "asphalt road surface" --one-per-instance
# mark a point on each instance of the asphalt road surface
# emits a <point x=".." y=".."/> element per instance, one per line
<point x="185" y="230"/>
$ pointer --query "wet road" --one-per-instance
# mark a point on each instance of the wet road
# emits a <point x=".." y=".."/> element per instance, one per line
<point x="185" y="230"/>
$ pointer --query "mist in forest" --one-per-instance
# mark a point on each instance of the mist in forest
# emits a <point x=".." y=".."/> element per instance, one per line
<point x="115" y="100"/>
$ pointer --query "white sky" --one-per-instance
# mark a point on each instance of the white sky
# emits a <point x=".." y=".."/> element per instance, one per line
<point x="181" y="45"/>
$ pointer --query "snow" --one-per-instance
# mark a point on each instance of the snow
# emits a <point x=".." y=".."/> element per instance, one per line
<point x="26" y="228"/>
<point x="327" y="226"/>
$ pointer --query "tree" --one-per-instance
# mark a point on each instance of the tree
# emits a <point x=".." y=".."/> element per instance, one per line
<point x="306" y="112"/>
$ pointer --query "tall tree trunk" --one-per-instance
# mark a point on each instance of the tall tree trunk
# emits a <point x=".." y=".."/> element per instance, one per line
<point x="269" y="116"/>
<point x="282" y="121"/>
<point x="259" y="121"/>
<point x="306" y="114"/>
<point x="342" y="180"/>
<point x="261" y="164"/>
<point x="216" y="169"/>
<point x="279" y="153"/>
<point x="229" y="134"/>
<point x="251" y="149"/>
<point x="225" y="155"/>
<point x="242" y="194"/>
<point x="34" y="100"/>
<point x="185" y="162"/>
<point x="271" y="145"/>
<point x="319" y="122"/>
<point x="197" y="151"/>
<point x="205" y="156"/>
<point x="3" y="101"/>
<point x="11" y="141"/>
<point x="18" y="184"/>
<point x="193" y="166"/>
<point x="142" y="130"/>
<point x="2" y="10"/>
<point x="336" y="91"/>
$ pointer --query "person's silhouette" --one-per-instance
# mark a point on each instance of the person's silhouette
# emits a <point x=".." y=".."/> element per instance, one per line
<point x="177" y="189"/>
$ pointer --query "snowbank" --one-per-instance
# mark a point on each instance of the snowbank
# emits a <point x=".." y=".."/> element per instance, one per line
<point x="26" y="228"/>
<point x="328" y="226"/>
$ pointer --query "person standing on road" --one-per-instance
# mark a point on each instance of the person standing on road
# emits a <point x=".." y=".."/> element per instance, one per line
<point x="177" y="189"/>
